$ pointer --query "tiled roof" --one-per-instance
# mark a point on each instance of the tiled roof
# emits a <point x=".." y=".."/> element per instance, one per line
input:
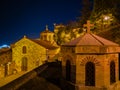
<point x="90" y="39"/>
<point x="3" y="50"/>
<point x="45" y="44"/>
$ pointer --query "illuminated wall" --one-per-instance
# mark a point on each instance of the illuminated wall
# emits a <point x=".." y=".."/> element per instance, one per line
<point x="35" y="54"/>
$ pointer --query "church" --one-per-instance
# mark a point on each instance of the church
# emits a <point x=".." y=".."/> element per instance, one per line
<point x="27" y="54"/>
<point x="30" y="53"/>
<point x="90" y="62"/>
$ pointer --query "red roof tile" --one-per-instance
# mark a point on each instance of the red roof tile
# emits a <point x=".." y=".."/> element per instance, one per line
<point x="45" y="44"/>
<point x="90" y="39"/>
<point x="3" y="50"/>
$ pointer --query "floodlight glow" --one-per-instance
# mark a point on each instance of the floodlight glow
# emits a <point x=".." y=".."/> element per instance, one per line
<point x="106" y="17"/>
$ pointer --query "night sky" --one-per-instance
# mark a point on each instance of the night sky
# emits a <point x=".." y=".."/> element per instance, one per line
<point x="29" y="17"/>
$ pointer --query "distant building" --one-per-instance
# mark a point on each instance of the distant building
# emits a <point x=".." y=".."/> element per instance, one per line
<point x="6" y="64"/>
<point x="90" y="62"/>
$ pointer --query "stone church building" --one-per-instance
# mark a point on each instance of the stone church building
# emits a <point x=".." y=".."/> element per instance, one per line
<point x="30" y="53"/>
<point x="90" y="62"/>
<point x="27" y="54"/>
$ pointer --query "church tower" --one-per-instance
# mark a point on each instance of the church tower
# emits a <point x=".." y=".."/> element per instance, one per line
<point x="90" y="62"/>
<point x="47" y="35"/>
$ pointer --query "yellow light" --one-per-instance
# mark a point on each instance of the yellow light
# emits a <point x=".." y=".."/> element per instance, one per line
<point x="106" y="18"/>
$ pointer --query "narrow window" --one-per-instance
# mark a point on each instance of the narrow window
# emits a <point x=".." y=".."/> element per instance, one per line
<point x="24" y="64"/>
<point x="68" y="70"/>
<point x="24" y="49"/>
<point x="119" y="66"/>
<point x="41" y="37"/>
<point x="45" y="37"/>
<point x="112" y="72"/>
<point x="90" y="74"/>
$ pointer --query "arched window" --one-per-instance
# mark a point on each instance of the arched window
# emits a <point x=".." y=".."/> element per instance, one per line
<point x="90" y="74"/>
<point x="24" y="64"/>
<point x="68" y="70"/>
<point x="24" y="49"/>
<point x="112" y="72"/>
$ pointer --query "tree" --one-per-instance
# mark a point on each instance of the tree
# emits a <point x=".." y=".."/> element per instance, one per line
<point x="85" y="12"/>
<point x="105" y="13"/>
<point x="73" y="28"/>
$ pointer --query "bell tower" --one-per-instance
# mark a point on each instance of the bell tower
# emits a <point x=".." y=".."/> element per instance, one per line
<point x="47" y="35"/>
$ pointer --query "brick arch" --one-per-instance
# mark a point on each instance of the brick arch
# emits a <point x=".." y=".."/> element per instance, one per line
<point x="110" y="60"/>
<point x="68" y="57"/>
<point x="68" y="60"/>
<point x="89" y="59"/>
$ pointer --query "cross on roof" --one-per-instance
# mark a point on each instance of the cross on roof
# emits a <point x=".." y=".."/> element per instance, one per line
<point x="46" y="27"/>
<point x="88" y="25"/>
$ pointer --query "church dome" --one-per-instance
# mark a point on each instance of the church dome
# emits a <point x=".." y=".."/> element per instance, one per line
<point x="46" y="30"/>
<point x="47" y="35"/>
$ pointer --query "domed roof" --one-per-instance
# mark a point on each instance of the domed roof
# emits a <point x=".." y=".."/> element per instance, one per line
<point x="46" y="30"/>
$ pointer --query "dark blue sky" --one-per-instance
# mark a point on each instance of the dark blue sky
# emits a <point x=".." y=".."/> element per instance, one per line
<point x="29" y="17"/>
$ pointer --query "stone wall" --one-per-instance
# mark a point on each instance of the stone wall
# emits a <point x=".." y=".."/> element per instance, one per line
<point x="5" y="58"/>
<point x="5" y="55"/>
<point x="35" y="54"/>
<point x="2" y="71"/>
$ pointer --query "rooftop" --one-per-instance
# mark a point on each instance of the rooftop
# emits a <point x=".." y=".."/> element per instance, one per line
<point x="91" y="39"/>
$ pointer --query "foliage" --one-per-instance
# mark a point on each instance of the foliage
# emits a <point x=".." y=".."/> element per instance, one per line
<point x="103" y="9"/>
<point x="65" y="34"/>
<point x="85" y="12"/>
<point x="106" y="18"/>
<point x="104" y="14"/>
<point x="74" y="28"/>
